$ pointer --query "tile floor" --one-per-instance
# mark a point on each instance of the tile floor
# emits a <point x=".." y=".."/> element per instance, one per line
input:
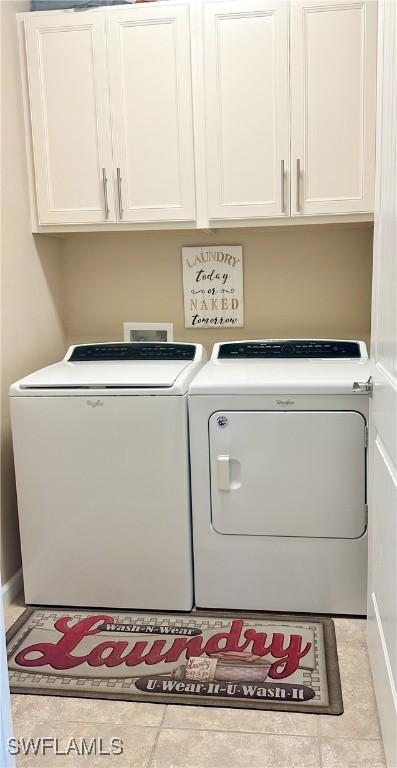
<point x="165" y="736"/>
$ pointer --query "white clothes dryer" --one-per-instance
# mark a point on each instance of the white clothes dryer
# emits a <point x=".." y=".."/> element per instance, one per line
<point x="278" y="435"/>
<point x="102" y="470"/>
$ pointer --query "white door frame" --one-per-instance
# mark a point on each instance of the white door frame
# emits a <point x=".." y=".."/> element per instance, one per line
<point x="382" y="576"/>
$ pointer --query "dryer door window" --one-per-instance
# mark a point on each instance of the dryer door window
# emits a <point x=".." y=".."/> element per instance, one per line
<point x="295" y="473"/>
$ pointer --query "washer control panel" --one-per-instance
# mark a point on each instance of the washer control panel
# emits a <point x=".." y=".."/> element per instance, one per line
<point x="290" y="348"/>
<point x="132" y="351"/>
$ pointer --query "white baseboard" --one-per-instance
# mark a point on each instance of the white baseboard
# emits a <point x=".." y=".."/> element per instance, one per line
<point x="385" y="689"/>
<point x="11" y="589"/>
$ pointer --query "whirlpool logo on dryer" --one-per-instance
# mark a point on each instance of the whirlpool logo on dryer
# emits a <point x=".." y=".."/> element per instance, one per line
<point x="285" y="403"/>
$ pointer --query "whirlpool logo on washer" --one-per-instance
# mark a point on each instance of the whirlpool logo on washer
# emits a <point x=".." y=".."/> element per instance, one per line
<point x="285" y="403"/>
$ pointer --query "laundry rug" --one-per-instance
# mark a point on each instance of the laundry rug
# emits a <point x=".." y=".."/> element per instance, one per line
<point x="259" y="661"/>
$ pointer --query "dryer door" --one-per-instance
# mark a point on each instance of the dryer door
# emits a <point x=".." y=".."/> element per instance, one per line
<point x="295" y="473"/>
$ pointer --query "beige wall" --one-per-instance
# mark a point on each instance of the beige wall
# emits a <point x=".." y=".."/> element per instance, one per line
<point x="297" y="282"/>
<point x="32" y="333"/>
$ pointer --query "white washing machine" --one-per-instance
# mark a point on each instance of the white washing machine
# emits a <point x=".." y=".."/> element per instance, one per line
<point x="102" y="469"/>
<point x="278" y="436"/>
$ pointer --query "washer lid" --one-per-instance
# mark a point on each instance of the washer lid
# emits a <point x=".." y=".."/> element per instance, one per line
<point x="117" y="366"/>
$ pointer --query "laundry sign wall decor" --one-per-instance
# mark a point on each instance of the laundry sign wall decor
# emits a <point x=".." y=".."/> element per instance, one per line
<point x="213" y="286"/>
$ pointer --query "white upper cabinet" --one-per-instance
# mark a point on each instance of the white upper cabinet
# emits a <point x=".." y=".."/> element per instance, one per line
<point x="69" y="111"/>
<point x="246" y="108"/>
<point x="151" y="105"/>
<point x="263" y="110"/>
<point x="333" y="81"/>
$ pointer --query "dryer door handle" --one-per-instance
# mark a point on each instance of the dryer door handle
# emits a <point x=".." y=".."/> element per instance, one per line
<point x="223" y="473"/>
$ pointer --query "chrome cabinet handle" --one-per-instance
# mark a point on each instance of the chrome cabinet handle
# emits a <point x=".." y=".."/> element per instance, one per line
<point x="298" y="185"/>
<point x="282" y="186"/>
<point x="105" y="192"/>
<point x="118" y="174"/>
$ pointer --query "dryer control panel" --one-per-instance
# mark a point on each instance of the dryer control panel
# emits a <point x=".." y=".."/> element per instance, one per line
<point x="132" y="351"/>
<point x="290" y="348"/>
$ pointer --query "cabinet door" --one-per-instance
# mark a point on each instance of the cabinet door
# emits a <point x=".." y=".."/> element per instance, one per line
<point x="69" y="106"/>
<point x="150" y="82"/>
<point x="333" y="71"/>
<point x="246" y="108"/>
